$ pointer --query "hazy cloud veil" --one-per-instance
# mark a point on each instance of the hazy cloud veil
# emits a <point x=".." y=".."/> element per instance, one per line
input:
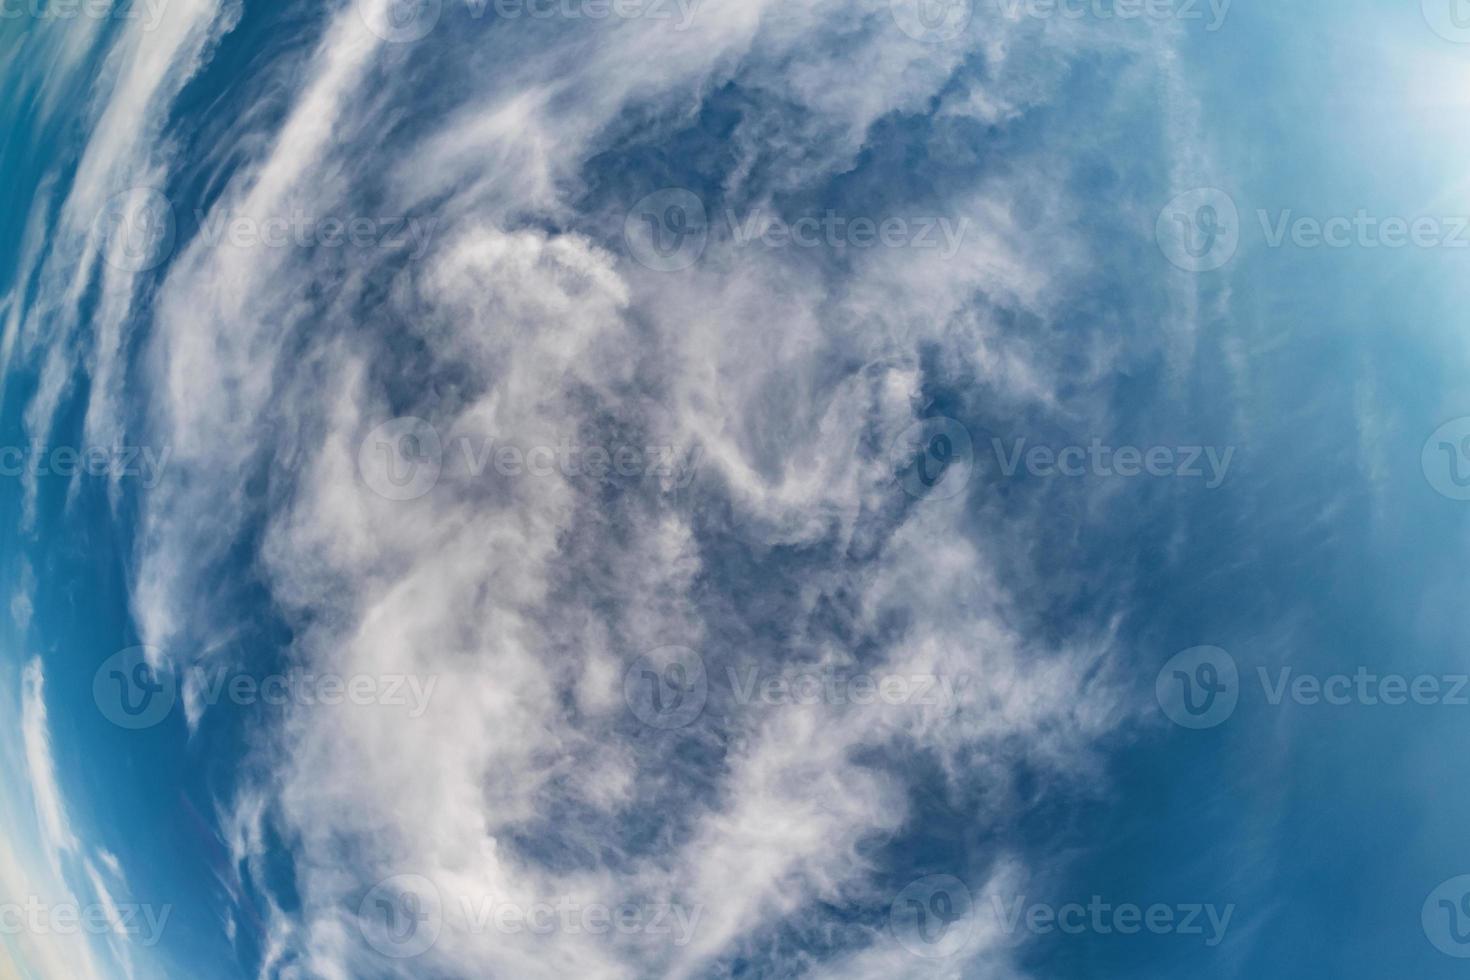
<point x="423" y="257"/>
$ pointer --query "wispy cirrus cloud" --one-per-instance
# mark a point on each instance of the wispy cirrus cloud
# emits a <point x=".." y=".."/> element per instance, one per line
<point x="531" y="779"/>
<point x="50" y="932"/>
<point x="51" y="816"/>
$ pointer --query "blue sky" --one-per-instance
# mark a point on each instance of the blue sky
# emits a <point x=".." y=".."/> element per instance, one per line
<point x="723" y="490"/>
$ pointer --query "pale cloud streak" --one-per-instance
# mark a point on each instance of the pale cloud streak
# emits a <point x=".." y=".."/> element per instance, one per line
<point x="73" y="866"/>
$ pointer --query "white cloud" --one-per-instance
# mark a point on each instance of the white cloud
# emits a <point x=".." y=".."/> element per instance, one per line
<point x="56" y="832"/>
<point x="71" y="867"/>
<point x="526" y="599"/>
<point x="22" y="601"/>
<point x="142" y="73"/>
